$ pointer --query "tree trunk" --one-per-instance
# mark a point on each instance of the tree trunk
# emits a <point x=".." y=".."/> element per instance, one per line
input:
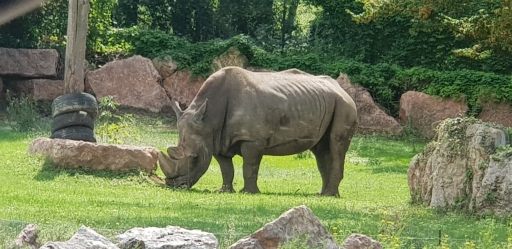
<point x="78" y="15"/>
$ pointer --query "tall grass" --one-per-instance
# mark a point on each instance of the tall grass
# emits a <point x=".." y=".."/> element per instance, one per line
<point x="374" y="197"/>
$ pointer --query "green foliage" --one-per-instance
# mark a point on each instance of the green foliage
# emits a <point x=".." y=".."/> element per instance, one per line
<point x="113" y="128"/>
<point x="22" y="114"/>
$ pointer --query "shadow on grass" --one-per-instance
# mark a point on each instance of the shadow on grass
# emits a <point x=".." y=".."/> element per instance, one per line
<point x="49" y="171"/>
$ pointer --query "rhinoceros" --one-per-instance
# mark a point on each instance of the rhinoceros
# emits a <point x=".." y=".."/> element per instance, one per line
<point x="251" y="114"/>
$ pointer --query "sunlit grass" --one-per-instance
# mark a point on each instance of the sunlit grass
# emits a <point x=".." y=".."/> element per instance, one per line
<point x="374" y="197"/>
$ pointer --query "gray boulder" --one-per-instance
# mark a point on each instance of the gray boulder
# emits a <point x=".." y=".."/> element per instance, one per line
<point x="171" y="237"/>
<point x="360" y="241"/>
<point x="85" y="238"/>
<point x="297" y="225"/>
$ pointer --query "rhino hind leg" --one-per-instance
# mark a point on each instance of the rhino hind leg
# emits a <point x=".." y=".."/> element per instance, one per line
<point x="323" y="161"/>
<point x="330" y="153"/>
<point x="252" y="155"/>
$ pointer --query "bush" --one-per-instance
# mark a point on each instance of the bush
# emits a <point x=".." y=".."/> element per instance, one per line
<point x="22" y="114"/>
<point x="113" y="128"/>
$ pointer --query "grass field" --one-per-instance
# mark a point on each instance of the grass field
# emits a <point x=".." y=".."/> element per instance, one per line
<point x="374" y="197"/>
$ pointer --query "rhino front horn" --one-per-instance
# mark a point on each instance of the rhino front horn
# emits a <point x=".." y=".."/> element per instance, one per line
<point x="167" y="165"/>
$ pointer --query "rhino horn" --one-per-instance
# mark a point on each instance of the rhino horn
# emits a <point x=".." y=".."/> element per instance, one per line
<point x="167" y="166"/>
<point x="175" y="105"/>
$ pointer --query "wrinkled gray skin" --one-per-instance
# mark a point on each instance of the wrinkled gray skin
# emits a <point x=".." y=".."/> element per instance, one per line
<point x="238" y="112"/>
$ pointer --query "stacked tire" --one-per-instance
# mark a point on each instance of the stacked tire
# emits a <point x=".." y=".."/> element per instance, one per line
<point x="73" y="117"/>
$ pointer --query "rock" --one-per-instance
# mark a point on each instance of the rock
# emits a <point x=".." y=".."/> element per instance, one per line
<point x="27" y="238"/>
<point x="468" y="166"/>
<point x="424" y="112"/>
<point x="74" y="154"/>
<point x="165" y="66"/>
<point x="360" y="241"/>
<point x="40" y="89"/>
<point x="133" y="81"/>
<point x="85" y="238"/>
<point x="28" y="63"/>
<point x="183" y="86"/>
<point x="371" y="118"/>
<point x="232" y="57"/>
<point x="292" y="226"/>
<point x="170" y="237"/>
<point x="498" y="113"/>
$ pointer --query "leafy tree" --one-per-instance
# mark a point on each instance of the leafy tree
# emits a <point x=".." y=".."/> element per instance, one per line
<point x="487" y="22"/>
<point x="233" y="17"/>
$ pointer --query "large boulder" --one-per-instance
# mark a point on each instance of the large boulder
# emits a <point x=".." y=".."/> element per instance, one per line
<point x="423" y="112"/>
<point x="165" y="66"/>
<point x="40" y="89"/>
<point x="28" y="63"/>
<point x="170" y="237"/>
<point x="292" y="226"/>
<point x="85" y="238"/>
<point x="134" y="82"/>
<point x="468" y="166"/>
<point x="183" y="86"/>
<point x="232" y="57"/>
<point x="371" y="118"/>
<point x="498" y="113"/>
<point x="75" y="154"/>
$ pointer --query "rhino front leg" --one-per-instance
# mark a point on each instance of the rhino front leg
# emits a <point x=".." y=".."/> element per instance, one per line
<point x="252" y="157"/>
<point x="228" y="173"/>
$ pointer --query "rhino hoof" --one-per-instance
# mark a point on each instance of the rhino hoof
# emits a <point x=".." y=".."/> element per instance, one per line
<point x="250" y="191"/>
<point x="225" y="189"/>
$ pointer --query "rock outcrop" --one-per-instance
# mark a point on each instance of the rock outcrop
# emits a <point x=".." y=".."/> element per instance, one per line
<point x="28" y="63"/>
<point x="360" y="241"/>
<point x="183" y="86"/>
<point x="40" y="89"/>
<point x="169" y="237"/>
<point x="85" y="238"/>
<point x="468" y="166"/>
<point x="295" y="224"/>
<point x="424" y="112"/>
<point x="134" y="82"/>
<point x="371" y="118"/>
<point x="232" y="57"/>
<point x="75" y="154"/>
<point x="498" y="113"/>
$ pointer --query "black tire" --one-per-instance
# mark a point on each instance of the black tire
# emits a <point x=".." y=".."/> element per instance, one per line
<point x="75" y="102"/>
<point x="75" y="133"/>
<point x="64" y="120"/>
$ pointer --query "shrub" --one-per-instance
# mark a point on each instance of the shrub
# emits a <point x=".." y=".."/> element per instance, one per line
<point x="113" y="128"/>
<point x="22" y="114"/>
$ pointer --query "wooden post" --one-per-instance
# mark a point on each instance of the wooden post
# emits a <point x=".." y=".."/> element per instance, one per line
<point x="78" y="16"/>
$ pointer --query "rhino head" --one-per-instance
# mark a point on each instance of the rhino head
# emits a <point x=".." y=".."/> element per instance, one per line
<point x="188" y="161"/>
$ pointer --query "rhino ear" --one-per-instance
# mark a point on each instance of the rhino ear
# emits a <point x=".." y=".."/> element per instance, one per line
<point x="175" y="105"/>
<point x="175" y="153"/>
<point x="199" y="115"/>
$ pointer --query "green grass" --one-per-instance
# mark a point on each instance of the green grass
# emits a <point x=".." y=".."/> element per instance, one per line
<point x="374" y="197"/>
